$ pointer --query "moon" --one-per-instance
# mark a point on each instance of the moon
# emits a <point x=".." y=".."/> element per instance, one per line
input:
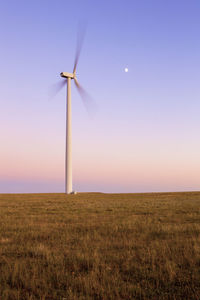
<point x="126" y="70"/>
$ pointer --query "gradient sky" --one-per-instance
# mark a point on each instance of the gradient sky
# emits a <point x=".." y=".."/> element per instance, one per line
<point x="145" y="133"/>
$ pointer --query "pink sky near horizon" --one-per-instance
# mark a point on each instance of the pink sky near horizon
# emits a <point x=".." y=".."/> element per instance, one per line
<point x="157" y="165"/>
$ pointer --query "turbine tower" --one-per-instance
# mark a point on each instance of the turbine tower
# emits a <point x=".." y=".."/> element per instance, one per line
<point x="68" y="154"/>
<point x="85" y="97"/>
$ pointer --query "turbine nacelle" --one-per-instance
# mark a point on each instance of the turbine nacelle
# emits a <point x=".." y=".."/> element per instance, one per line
<point x="67" y="75"/>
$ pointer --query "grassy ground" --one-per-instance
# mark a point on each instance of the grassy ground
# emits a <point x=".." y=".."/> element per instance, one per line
<point x="100" y="246"/>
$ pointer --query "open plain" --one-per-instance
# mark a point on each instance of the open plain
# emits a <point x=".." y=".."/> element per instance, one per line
<point x="100" y="246"/>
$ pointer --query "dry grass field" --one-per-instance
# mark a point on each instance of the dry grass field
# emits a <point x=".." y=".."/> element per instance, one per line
<point x="100" y="246"/>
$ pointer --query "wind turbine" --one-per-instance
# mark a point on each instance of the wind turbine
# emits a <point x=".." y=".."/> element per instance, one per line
<point x="68" y="77"/>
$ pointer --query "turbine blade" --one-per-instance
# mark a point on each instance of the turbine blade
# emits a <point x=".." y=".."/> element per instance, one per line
<point x="87" y="99"/>
<point x="80" y="39"/>
<point x="56" y="88"/>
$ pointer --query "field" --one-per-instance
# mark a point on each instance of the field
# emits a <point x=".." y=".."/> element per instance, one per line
<point x="100" y="246"/>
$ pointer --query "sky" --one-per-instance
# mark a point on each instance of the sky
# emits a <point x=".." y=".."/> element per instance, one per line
<point x="144" y="134"/>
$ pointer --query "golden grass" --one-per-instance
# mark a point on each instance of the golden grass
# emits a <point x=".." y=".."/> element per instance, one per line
<point x="100" y="246"/>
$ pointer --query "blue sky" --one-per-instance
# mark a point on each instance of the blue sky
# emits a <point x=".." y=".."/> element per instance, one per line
<point x="144" y="135"/>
